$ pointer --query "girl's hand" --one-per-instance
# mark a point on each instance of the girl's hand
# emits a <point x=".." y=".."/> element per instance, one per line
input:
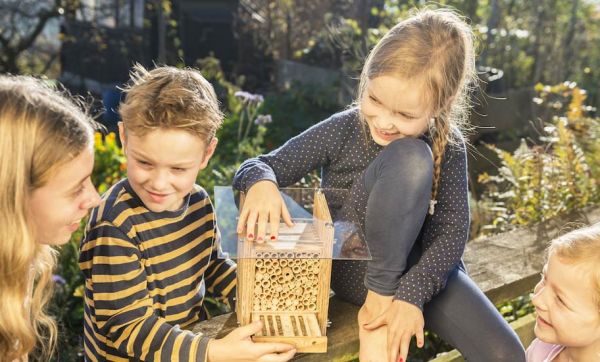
<point x="373" y="343"/>
<point x="263" y="204"/>
<point x="403" y="320"/>
<point x="237" y="346"/>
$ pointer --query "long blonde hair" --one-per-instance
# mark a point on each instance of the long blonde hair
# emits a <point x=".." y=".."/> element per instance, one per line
<point x="581" y="246"/>
<point x="436" y="47"/>
<point x="40" y="130"/>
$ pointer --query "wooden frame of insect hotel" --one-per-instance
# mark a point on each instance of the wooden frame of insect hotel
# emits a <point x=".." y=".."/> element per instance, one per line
<point x="286" y="283"/>
<point x="287" y="288"/>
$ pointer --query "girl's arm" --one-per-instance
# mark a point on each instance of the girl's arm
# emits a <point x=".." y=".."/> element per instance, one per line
<point x="445" y="232"/>
<point x="292" y="161"/>
<point x="282" y="167"/>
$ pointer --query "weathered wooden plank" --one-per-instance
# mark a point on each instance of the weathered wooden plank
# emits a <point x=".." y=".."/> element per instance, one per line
<point x="507" y="265"/>
<point x="523" y="326"/>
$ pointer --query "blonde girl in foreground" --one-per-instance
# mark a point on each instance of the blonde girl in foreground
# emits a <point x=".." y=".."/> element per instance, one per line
<point x="567" y="300"/>
<point x="46" y="160"/>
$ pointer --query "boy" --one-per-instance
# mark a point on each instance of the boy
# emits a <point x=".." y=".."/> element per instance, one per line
<point x="150" y="250"/>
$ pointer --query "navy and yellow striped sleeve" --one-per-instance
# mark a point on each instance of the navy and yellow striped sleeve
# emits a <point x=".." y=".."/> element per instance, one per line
<point x="117" y="292"/>
<point x="220" y="275"/>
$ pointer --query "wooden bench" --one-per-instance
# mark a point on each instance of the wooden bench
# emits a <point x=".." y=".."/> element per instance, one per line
<point x="504" y="266"/>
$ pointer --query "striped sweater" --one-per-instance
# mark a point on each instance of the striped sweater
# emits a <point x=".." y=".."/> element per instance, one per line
<point x="146" y="275"/>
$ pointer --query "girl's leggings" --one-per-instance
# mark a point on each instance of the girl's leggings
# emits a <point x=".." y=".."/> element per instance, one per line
<point x="398" y="183"/>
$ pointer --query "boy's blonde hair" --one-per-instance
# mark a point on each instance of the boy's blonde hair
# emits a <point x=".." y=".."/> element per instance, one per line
<point x="41" y="130"/>
<point x="168" y="97"/>
<point x="436" y="47"/>
<point x="582" y="247"/>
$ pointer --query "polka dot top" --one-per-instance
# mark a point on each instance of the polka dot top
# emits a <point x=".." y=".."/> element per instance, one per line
<point x="338" y="148"/>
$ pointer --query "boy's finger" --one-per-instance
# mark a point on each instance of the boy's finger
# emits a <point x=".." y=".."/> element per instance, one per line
<point x="264" y="349"/>
<point x="282" y="357"/>
<point x="285" y="214"/>
<point x="250" y="225"/>
<point x="263" y="219"/>
<point x="247" y="331"/>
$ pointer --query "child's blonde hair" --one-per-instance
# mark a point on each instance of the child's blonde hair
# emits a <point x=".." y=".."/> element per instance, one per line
<point x="168" y="97"/>
<point x="435" y="46"/>
<point x="582" y="247"/>
<point x="41" y="130"/>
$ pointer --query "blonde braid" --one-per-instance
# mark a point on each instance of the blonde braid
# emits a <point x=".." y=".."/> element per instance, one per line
<point x="439" y="141"/>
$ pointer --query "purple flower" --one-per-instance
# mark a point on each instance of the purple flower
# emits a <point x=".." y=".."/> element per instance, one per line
<point x="58" y="279"/>
<point x="249" y="97"/>
<point x="263" y="119"/>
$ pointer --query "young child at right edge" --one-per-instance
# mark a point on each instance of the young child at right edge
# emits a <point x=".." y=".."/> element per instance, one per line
<point x="567" y="300"/>
<point x="400" y="152"/>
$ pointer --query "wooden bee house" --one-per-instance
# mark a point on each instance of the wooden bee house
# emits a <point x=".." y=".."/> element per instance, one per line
<point x="286" y="284"/>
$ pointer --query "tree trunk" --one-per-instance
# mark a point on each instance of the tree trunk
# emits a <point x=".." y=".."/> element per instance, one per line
<point x="492" y="23"/>
<point x="568" y="46"/>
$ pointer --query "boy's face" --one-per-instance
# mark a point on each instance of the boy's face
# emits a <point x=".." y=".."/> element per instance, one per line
<point x="567" y="313"/>
<point x="394" y="108"/>
<point x="55" y="209"/>
<point x="162" y="165"/>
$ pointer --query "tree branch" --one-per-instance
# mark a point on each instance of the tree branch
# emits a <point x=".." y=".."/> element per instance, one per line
<point x="43" y="16"/>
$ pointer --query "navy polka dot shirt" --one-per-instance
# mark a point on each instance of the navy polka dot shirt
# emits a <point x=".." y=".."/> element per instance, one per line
<point x="338" y="148"/>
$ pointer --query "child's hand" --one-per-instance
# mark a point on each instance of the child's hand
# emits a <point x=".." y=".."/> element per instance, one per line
<point x="263" y="203"/>
<point x="373" y="343"/>
<point x="237" y="346"/>
<point x="403" y="320"/>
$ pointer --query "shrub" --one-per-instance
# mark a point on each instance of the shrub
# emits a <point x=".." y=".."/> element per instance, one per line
<point x="555" y="176"/>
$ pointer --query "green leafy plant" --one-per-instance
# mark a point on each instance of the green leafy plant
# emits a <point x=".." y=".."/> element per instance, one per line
<point x="559" y="175"/>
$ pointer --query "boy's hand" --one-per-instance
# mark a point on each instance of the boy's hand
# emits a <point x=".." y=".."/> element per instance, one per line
<point x="263" y="203"/>
<point x="403" y="320"/>
<point x="237" y="346"/>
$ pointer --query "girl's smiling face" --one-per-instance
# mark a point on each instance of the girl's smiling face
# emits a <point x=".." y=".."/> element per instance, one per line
<point x="566" y="305"/>
<point x="395" y="108"/>
<point x="57" y="208"/>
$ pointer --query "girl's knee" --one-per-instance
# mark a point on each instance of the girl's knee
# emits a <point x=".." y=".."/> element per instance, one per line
<point x="408" y="152"/>
<point x="409" y="159"/>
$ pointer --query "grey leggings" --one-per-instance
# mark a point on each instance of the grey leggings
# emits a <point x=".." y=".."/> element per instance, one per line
<point x="398" y="183"/>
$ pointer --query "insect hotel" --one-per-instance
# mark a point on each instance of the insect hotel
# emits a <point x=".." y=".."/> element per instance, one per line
<point x="285" y="283"/>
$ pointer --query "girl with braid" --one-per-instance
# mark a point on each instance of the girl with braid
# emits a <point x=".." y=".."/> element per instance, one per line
<point x="400" y="151"/>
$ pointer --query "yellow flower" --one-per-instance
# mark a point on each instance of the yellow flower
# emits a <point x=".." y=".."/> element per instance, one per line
<point x="78" y="292"/>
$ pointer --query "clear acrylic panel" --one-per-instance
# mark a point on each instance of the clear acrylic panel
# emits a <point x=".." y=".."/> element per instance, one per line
<point x="325" y="227"/>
